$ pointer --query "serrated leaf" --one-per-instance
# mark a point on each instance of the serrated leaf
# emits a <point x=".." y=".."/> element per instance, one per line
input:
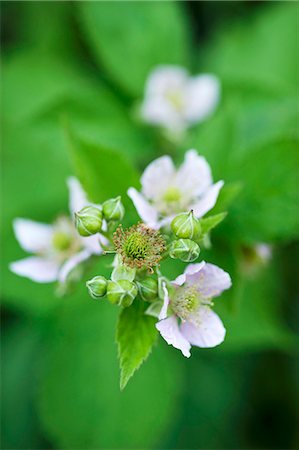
<point x="135" y="335"/>
<point x="211" y="222"/>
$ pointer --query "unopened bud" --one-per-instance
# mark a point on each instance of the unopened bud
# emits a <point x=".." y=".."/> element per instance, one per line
<point x="113" y="209"/>
<point x="186" y="226"/>
<point x="148" y="289"/>
<point x="89" y="220"/>
<point x="121" y="272"/>
<point x="97" y="287"/>
<point x="184" y="249"/>
<point x="122" y="292"/>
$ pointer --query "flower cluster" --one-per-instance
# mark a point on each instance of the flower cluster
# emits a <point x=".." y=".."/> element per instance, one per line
<point x="171" y="206"/>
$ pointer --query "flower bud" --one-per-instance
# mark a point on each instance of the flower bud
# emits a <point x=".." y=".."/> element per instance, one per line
<point x="148" y="289"/>
<point x="186" y="226"/>
<point x="89" y="220"/>
<point x="113" y="209"/>
<point x="121" y="272"/>
<point x="184" y="249"/>
<point x="97" y="287"/>
<point x="122" y="292"/>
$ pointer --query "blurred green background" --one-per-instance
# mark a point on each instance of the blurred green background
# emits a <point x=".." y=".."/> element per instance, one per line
<point x="85" y="64"/>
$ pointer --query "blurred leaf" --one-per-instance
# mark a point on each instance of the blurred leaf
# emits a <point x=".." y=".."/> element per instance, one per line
<point x="268" y="206"/>
<point x="80" y="403"/>
<point x="208" y="223"/>
<point x="104" y="173"/>
<point x="130" y="39"/>
<point x="136" y="334"/>
<point x="21" y="348"/>
<point x="43" y="89"/>
<point x="260" y="51"/>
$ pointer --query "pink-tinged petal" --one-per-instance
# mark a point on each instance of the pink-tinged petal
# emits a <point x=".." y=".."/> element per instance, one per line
<point x="210" y="281"/>
<point x="208" y="200"/>
<point x="157" y="177"/>
<point x="194" y="176"/>
<point x="33" y="236"/>
<point x="35" y="268"/>
<point x="169" y="330"/>
<point x="163" y="312"/>
<point x="146" y="211"/>
<point x="191" y="269"/>
<point x="202" y="97"/>
<point x="180" y="280"/>
<point x="71" y="263"/>
<point x="77" y="196"/>
<point x="208" y="333"/>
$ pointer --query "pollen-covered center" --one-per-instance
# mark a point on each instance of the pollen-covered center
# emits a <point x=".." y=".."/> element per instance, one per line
<point x="139" y="246"/>
<point x="136" y="246"/>
<point x="185" y="302"/>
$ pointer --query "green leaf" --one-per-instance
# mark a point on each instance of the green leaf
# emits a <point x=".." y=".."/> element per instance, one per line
<point x="80" y="403"/>
<point x="268" y="206"/>
<point x="136" y="334"/>
<point x="208" y="223"/>
<point x="132" y="38"/>
<point x="261" y="50"/>
<point x="104" y="173"/>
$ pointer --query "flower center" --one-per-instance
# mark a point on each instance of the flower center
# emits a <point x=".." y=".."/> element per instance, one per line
<point x="172" y="194"/>
<point x="175" y="97"/>
<point x="139" y="246"/>
<point x="185" y="302"/>
<point x="61" y="241"/>
<point x="136" y="246"/>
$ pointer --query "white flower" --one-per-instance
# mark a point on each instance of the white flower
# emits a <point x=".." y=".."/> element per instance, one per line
<point x="191" y="320"/>
<point x="167" y="191"/>
<point x="57" y="248"/>
<point x="174" y="100"/>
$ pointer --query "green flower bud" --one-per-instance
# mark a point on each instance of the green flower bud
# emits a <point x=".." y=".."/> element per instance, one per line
<point x="186" y="226"/>
<point x="122" y="292"/>
<point x="89" y="220"/>
<point x="184" y="249"/>
<point x="121" y="272"/>
<point x="148" y="289"/>
<point x="97" y="287"/>
<point x="113" y="209"/>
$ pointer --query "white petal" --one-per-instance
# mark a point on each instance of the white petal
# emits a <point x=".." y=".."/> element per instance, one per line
<point x="71" y="263"/>
<point x="170" y="331"/>
<point x="202" y="97"/>
<point x="208" y="333"/>
<point x="163" y="312"/>
<point x="147" y="212"/>
<point x="194" y="176"/>
<point x="159" y="111"/>
<point x="157" y="177"/>
<point x="77" y="197"/>
<point x="93" y="244"/>
<point x="38" y="269"/>
<point x="208" y="200"/>
<point x="33" y="236"/>
<point x="210" y="281"/>
<point x="190" y="270"/>
<point x="165" y="78"/>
